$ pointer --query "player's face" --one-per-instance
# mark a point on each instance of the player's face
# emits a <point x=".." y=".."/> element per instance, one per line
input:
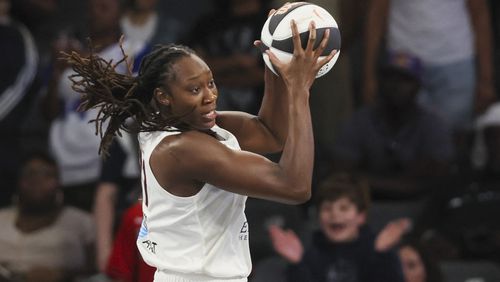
<point x="193" y="93"/>
<point x="413" y="267"/>
<point x="340" y="220"/>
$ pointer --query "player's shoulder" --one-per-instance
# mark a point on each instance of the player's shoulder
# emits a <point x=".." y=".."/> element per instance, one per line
<point x="187" y="143"/>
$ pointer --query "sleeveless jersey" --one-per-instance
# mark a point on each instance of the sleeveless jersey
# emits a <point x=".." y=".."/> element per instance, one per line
<point x="198" y="238"/>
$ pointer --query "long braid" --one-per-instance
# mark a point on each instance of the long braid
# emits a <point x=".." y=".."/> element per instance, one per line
<point x="121" y="96"/>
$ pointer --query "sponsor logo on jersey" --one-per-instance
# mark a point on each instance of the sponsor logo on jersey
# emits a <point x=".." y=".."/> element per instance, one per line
<point x="150" y="245"/>
<point x="244" y="231"/>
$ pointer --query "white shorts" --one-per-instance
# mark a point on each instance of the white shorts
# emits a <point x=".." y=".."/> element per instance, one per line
<point x="161" y="276"/>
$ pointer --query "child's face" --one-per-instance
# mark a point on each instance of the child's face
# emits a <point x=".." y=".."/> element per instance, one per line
<point x="340" y="220"/>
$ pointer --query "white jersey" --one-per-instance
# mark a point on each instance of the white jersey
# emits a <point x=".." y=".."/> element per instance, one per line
<point x="198" y="238"/>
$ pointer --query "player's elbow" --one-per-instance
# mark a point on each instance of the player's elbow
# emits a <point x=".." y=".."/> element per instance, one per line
<point x="300" y="195"/>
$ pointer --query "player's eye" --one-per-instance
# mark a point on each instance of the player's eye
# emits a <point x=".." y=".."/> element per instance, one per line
<point x="195" y="90"/>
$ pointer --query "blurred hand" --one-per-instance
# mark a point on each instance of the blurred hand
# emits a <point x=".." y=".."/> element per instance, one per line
<point x="391" y="234"/>
<point x="286" y="243"/>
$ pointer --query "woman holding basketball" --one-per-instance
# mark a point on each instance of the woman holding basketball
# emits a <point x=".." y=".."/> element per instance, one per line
<point x="199" y="165"/>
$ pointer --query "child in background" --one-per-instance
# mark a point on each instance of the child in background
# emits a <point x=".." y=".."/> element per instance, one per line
<point x="418" y="265"/>
<point x="344" y="249"/>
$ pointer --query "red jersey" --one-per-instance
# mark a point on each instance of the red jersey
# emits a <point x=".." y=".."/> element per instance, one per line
<point x="125" y="263"/>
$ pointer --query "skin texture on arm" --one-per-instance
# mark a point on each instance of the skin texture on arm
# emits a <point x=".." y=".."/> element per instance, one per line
<point x="186" y="161"/>
<point x="376" y="25"/>
<point x="481" y="24"/>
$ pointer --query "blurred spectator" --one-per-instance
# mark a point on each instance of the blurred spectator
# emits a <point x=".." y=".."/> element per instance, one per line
<point x="142" y="23"/>
<point x="400" y="146"/>
<point x="453" y="39"/>
<point x="41" y="239"/>
<point x="225" y="41"/>
<point x="418" y="265"/>
<point x="125" y="263"/>
<point x="344" y="249"/>
<point x="457" y="223"/>
<point x="46" y="19"/>
<point x="17" y="88"/>
<point x="117" y="189"/>
<point x="72" y="139"/>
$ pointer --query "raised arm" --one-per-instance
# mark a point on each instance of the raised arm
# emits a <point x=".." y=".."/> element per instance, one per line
<point x="267" y="132"/>
<point x="194" y="157"/>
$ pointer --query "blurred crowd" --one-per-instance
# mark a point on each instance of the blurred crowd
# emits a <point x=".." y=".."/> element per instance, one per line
<point x="407" y="129"/>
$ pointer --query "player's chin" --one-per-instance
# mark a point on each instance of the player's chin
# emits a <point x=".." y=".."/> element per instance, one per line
<point x="208" y="121"/>
<point x="205" y="124"/>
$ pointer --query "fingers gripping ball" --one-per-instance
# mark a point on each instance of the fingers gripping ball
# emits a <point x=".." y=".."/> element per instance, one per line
<point x="277" y="34"/>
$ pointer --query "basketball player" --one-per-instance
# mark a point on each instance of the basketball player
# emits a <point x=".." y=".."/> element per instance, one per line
<point x="198" y="165"/>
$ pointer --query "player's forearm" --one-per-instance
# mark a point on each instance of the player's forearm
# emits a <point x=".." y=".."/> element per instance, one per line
<point x="298" y="152"/>
<point x="273" y="113"/>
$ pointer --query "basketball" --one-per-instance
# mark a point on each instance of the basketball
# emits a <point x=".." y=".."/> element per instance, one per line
<point x="277" y="34"/>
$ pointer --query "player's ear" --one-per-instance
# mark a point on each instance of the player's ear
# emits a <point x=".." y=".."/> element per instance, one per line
<point x="162" y="96"/>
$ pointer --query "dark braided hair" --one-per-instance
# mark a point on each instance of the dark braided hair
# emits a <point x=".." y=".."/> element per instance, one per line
<point x="122" y="96"/>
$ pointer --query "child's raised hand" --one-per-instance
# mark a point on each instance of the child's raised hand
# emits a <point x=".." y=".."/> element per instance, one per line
<point x="286" y="243"/>
<point x="391" y="234"/>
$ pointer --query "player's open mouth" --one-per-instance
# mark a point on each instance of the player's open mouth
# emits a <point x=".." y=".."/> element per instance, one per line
<point x="210" y="115"/>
